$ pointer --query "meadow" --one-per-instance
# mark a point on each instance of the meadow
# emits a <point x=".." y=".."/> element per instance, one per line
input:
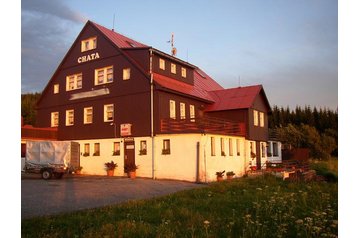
<point x="262" y="206"/>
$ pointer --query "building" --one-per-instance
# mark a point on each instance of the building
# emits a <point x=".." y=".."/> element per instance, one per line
<point x="131" y="103"/>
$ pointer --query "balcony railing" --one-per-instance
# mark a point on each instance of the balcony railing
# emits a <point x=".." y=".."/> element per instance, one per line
<point x="202" y="125"/>
<point x="39" y="133"/>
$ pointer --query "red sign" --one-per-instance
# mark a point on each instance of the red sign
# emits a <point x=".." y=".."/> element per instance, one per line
<point x="126" y="129"/>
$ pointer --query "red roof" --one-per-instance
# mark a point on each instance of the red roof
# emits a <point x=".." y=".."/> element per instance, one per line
<point x="234" y="98"/>
<point x="200" y="89"/>
<point x="120" y="40"/>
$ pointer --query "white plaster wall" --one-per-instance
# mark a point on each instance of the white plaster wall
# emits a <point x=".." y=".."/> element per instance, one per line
<point x="210" y="164"/>
<point x="181" y="163"/>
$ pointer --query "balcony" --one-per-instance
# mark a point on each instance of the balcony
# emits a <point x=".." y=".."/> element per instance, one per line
<point x="202" y="125"/>
<point x="33" y="133"/>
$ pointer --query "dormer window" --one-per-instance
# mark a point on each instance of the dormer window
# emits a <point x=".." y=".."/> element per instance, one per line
<point x="183" y="72"/>
<point x="162" y="64"/>
<point x="89" y="44"/>
<point x="173" y="68"/>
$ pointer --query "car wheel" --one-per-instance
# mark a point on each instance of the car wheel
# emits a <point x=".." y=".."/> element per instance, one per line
<point x="46" y="174"/>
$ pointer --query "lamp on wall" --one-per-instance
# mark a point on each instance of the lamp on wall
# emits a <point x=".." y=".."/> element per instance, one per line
<point x="115" y="131"/>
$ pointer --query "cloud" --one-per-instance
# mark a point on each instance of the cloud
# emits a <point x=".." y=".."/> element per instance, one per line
<point x="48" y="29"/>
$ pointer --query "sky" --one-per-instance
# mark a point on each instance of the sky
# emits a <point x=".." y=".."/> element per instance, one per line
<point x="290" y="47"/>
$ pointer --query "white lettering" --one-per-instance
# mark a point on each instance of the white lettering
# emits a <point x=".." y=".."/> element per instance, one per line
<point x="86" y="58"/>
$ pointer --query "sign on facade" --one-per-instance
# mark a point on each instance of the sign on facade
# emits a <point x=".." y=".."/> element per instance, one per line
<point x="126" y="129"/>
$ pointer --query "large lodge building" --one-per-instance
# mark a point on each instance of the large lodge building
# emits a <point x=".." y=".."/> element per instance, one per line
<point x="131" y="103"/>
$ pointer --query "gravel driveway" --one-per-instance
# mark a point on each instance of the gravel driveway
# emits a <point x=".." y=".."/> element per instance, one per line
<point x="40" y="197"/>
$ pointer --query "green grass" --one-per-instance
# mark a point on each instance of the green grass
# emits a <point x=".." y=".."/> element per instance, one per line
<point x="326" y="168"/>
<point x="248" y="207"/>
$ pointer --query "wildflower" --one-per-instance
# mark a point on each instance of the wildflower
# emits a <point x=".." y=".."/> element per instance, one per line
<point x="299" y="221"/>
<point x="206" y="223"/>
<point x="308" y="219"/>
<point x="259" y="189"/>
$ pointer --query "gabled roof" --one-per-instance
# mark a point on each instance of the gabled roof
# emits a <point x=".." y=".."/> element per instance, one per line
<point x="119" y="40"/>
<point x="203" y="83"/>
<point x="235" y="98"/>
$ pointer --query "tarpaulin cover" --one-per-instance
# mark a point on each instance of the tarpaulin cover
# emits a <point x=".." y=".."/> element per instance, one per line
<point x="48" y="152"/>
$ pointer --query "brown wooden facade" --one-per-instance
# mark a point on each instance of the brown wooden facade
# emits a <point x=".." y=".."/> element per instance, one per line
<point x="131" y="98"/>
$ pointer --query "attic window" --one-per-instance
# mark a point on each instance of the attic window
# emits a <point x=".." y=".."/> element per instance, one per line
<point x="131" y="44"/>
<point x="89" y="44"/>
<point x="201" y="74"/>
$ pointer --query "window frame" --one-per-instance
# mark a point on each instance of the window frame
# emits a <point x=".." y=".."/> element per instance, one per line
<point x="115" y="144"/>
<point x="106" y="111"/>
<point x="192" y="113"/>
<point x="275" y="151"/>
<point x="166" y="147"/>
<point x="97" y="149"/>
<point x="238" y="147"/>
<point x="262" y="119"/>
<point x="231" y="153"/>
<point x="161" y="64"/>
<point x="173" y="68"/>
<point x="53" y="114"/>
<point x="183" y="72"/>
<point x="68" y="114"/>
<point x="56" y="88"/>
<point x="256" y="117"/>
<point x="92" y="44"/>
<point x="86" y="114"/>
<point x="172" y="109"/>
<point x="87" y="149"/>
<point x="126" y="74"/>
<point x="182" y="111"/>
<point x="75" y="82"/>
<point x="143" y="147"/>
<point x="212" y="143"/>
<point x="222" y="146"/>
<point x="105" y="75"/>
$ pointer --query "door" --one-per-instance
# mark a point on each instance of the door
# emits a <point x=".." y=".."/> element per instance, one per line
<point x="129" y="155"/>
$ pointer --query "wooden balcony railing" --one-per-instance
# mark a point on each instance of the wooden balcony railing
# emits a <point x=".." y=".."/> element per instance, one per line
<point x="202" y="125"/>
<point x="39" y="133"/>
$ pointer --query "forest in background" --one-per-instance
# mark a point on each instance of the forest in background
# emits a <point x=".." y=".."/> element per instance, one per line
<point x="302" y="127"/>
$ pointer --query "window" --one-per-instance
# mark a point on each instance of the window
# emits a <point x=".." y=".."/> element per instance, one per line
<point x="166" y="147"/>
<point x="173" y="68"/>
<point x="143" y="147"/>
<point x="87" y="115"/>
<point x="262" y="118"/>
<point x="108" y="112"/>
<point x="103" y="75"/>
<point x="263" y="150"/>
<point x="54" y="119"/>
<point x="89" y="44"/>
<point x="212" y="146"/>
<point x="275" y="149"/>
<point x="70" y="117"/>
<point x="162" y="64"/>
<point x="230" y="147"/>
<point x="73" y="82"/>
<point x="96" y="149"/>
<point x="192" y="113"/>
<point x="256" y="118"/>
<point x="252" y="150"/>
<point x="222" y="145"/>
<point x="182" y="110"/>
<point x="56" y="88"/>
<point x="238" y="147"/>
<point x="126" y="74"/>
<point x="172" y="109"/>
<point x="87" y="150"/>
<point x="183" y="72"/>
<point x="116" y="148"/>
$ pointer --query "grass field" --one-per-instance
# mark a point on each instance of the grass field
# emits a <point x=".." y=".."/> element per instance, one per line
<point x="247" y="207"/>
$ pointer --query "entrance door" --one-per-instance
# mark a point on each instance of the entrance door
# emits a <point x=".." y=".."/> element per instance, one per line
<point x="129" y="155"/>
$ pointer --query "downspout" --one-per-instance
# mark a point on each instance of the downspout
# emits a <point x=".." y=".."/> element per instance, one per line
<point x="152" y="109"/>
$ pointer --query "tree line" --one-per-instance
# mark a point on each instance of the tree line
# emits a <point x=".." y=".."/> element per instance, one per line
<point x="28" y="107"/>
<point x="316" y="129"/>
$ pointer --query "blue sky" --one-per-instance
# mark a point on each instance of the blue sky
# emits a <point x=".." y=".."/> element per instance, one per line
<point x="290" y="47"/>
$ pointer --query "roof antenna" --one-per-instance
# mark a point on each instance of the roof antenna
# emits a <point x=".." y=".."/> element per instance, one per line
<point x="174" y="50"/>
<point x="114" y="17"/>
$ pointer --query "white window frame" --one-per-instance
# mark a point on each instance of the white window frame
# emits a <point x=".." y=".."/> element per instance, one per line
<point x="87" y="111"/>
<point x="172" y="112"/>
<point x="183" y="72"/>
<point x="56" y="88"/>
<point x="89" y="44"/>
<point x="230" y="147"/>
<point x="106" y="72"/>
<point x="77" y="82"/>
<point x="238" y="149"/>
<point x="68" y="117"/>
<point x="192" y="113"/>
<point x="97" y="152"/>
<point x="116" y="148"/>
<point x="262" y="119"/>
<point x="55" y="118"/>
<point x="106" y="111"/>
<point x="162" y="64"/>
<point x="222" y="146"/>
<point x="275" y="149"/>
<point x="126" y="73"/>
<point x="256" y="117"/>
<point x="173" y="68"/>
<point x="182" y="111"/>
<point x="263" y="150"/>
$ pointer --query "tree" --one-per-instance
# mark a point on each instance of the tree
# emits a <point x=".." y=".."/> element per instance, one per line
<point x="28" y="104"/>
